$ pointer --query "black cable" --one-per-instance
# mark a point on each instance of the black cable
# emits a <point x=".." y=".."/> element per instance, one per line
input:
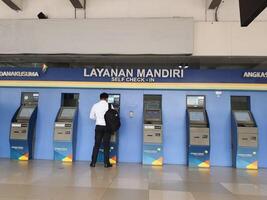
<point x="216" y="12"/>
<point x="85" y="9"/>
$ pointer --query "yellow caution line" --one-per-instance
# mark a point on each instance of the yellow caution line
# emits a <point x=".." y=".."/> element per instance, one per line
<point x="130" y="85"/>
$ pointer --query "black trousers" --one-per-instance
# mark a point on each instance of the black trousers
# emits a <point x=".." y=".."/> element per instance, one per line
<point x="101" y="133"/>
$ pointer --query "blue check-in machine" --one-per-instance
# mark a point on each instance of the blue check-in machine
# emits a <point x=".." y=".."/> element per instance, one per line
<point x="152" y="130"/>
<point x="244" y="134"/>
<point x="114" y="100"/>
<point x="198" y="132"/>
<point x="22" y="132"/>
<point x="65" y="129"/>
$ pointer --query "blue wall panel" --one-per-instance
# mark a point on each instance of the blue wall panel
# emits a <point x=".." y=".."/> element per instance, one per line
<point x="48" y="105"/>
<point x="130" y="146"/>
<point x="130" y="143"/>
<point x="259" y="109"/>
<point x="9" y="102"/>
<point x="219" y="109"/>
<point x="174" y="138"/>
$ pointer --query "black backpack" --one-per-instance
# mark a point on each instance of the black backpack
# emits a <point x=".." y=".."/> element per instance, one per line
<point x="112" y="119"/>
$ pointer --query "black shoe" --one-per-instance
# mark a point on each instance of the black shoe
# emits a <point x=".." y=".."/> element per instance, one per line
<point x="92" y="165"/>
<point x="108" y="165"/>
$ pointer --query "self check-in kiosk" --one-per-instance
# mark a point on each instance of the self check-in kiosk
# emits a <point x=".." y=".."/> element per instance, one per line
<point x="22" y="132"/>
<point x="244" y="134"/>
<point x="152" y="130"/>
<point x="198" y="132"/>
<point x="65" y="129"/>
<point x="114" y="100"/>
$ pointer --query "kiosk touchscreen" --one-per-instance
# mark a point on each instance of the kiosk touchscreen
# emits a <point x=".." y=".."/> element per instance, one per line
<point x="22" y="131"/>
<point x="198" y="132"/>
<point x="65" y="130"/>
<point x="152" y="130"/>
<point x="244" y="134"/>
<point x="114" y="100"/>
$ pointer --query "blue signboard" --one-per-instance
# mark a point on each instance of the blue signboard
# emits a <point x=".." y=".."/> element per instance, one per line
<point x="142" y="77"/>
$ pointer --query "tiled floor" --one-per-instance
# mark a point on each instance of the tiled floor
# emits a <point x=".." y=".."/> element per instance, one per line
<point x="44" y="180"/>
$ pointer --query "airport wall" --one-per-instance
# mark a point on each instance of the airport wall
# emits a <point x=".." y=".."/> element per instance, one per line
<point x="133" y="36"/>
<point x="130" y="144"/>
<point x="98" y="36"/>
<point x="224" y="37"/>
<point x="63" y="9"/>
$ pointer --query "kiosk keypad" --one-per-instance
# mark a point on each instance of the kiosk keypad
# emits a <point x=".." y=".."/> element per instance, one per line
<point x="63" y="132"/>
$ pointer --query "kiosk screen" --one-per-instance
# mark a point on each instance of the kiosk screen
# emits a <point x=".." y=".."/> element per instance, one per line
<point x="26" y="112"/>
<point x="152" y="105"/>
<point x="196" y="116"/>
<point x="153" y="115"/>
<point x="67" y="113"/>
<point x="114" y="100"/>
<point x="195" y="101"/>
<point x="111" y="99"/>
<point x="242" y="116"/>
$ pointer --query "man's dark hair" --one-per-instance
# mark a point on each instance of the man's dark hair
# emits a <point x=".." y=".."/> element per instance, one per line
<point x="103" y="95"/>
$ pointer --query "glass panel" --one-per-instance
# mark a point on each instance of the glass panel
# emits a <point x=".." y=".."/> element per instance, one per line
<point x="25" y="112"/>
<point x="67" y="113"/>
<point x="196" y="116"/>
<point x="242" y="116"/>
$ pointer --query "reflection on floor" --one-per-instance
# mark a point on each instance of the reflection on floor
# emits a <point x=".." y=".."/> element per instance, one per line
<point x="54" y="180"/>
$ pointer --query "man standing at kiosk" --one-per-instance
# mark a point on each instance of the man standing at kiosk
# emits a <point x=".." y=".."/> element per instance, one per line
<point x="101" y="132"/>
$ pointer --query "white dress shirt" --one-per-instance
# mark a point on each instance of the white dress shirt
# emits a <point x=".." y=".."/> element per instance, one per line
<point x="98" y="112"/>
